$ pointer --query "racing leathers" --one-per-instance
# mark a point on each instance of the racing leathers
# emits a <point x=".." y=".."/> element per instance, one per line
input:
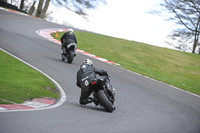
<point x="67" y="38"/>
<point x="85" y="75"/>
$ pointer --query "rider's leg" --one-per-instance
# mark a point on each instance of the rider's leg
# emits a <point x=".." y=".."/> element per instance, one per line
<point x="84" y="98"/>
<point x="64" y="46"/>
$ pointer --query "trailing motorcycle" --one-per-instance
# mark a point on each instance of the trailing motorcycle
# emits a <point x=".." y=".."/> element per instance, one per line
<point x="103" y="92"/>
<point x="69" y="53"/>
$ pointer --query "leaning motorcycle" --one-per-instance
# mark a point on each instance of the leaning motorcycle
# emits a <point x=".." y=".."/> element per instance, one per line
<point x="103" y="92"/>
<point x="70" y="53"/>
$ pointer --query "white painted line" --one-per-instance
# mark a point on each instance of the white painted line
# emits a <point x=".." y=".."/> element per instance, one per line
<point x="158" y="81"/>
<point x="34" y="104"/>
<point x="2" y="109"/>
<point x="62" y="93"/>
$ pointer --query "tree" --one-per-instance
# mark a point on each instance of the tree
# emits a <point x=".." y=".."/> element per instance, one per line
<point x="31" y="10"/>
<point x="77" y="6"/>
<point x="21" y="4"/>
<point x="39" y="8"/>
<point x="185" y="13"/>
<point x="44" y="10"/>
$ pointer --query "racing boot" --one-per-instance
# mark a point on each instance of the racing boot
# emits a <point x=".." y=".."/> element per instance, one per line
<point x="86" y="101"/>
<point x="95" y="101"/>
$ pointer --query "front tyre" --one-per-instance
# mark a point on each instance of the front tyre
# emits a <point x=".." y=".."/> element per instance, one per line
<point x="70" y="57"/>
<point x="104" y="101"/>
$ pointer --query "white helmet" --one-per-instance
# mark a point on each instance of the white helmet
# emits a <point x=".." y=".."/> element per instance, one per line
<point x="88" y="61"/>
<point x="70" y="30"/>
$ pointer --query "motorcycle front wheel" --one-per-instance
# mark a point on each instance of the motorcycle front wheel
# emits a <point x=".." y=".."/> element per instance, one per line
<point x="105" y="102"/>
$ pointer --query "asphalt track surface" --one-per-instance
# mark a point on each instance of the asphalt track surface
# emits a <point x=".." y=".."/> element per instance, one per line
<point x="143" y="105"/>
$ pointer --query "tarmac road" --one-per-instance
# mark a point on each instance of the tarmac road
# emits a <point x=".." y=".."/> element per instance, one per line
<point x="143" y="105"/>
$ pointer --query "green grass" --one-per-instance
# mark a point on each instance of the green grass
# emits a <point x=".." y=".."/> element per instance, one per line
<point x="173" y="67"/>
<point x="19" y="82"/>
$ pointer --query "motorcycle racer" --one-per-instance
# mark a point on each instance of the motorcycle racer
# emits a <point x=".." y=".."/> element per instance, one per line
<point x="85" y="75"/>
<point x="67" y="38"/>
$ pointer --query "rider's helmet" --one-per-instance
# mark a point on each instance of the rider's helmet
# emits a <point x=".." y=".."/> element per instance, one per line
<point x="88" y="61"/>
<point x="71" y="30"/>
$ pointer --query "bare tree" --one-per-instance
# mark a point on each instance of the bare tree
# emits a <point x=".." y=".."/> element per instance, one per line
<point x="44" y="10"/>
<point x="31" y="10"/>
<point x="77" y="6"/>
<point x="185" y="13"/>
<point x="39" y="8"/>
<point x="21" y="4"/>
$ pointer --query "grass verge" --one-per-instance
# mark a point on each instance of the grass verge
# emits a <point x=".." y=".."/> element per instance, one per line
<point x="19" y="82"/>
<point x="176" y="68"/>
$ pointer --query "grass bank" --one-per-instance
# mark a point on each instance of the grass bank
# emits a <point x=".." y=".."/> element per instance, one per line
<point x="19" y="82"/>
<point x="173" y="67"/>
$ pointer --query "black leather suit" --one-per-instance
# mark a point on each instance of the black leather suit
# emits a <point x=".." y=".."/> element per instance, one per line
<point x="85" y="75"/>
<point x="68" y="38"/>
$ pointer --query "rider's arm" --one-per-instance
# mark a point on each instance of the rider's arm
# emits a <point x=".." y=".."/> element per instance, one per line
<point x="77" y="82"/>
<point x="101" y="72"/>
<point x="61" y="39"/>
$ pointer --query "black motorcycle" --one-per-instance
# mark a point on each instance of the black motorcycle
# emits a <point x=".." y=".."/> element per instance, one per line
<point x="70" y="52"/>
<point x="103" y="92"/>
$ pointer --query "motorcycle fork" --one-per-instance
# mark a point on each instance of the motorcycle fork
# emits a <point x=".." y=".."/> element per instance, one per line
<point x="109" y="93"/>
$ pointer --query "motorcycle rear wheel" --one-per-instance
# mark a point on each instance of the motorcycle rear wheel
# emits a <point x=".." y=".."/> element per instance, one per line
<point x="70" y="57"/>
<point x="104" y="101"/>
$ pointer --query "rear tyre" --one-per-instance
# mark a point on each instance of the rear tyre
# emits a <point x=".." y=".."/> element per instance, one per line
<point x="70" y="57"/>
<point x="104" y="101"/>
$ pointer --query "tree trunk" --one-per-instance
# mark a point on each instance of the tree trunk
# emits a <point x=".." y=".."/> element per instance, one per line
<point x="194" y="45"/>
<point x="43" y="13"/>
<point x="22" y="4"/>
<point x="195" y="41"/>
<point x="199" y="51"/>
<point x="32" y="9"/>
<point x="39" y="9"/>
